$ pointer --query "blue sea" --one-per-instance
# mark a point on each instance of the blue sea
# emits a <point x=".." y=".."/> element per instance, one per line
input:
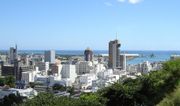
<point x="144" y="55"/>
<point x="147" y="56"/>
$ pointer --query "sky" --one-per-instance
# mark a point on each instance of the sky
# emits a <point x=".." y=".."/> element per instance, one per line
<point x="78" y="24"/>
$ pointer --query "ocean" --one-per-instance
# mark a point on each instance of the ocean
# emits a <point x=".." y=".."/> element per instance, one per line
<point x="151" y="56"/>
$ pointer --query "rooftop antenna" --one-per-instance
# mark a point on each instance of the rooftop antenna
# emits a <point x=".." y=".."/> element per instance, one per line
<point x="16" y="46"/>
<point x="116" y="35"/>
<point x="16" y="51"/>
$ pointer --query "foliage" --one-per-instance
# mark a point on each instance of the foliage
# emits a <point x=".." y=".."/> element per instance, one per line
<point x="70" y="90"/>
<point x="10" y="80"/>
<point x="59" y="87"/>
<point x="11" y="99"/>
<point x="93" y="98"/>
<point x="47" y="99"/>
<point x="172" y="99"/>
<point x="147" y="90"/>
<point x="43" y="99"/>
<point x="2" y="80"/>
<point x="32" y="84"/>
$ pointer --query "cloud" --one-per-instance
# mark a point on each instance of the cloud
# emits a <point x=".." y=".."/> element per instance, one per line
<point x="134" y="1"/>
<point x="121" y="1"/>
<point x="130" y="1"/>
<point x="108" y="4"/>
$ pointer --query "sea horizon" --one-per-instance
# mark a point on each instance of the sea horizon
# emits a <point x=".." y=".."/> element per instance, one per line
<point x="79" y="50"/>
<point x="144" y="55"/>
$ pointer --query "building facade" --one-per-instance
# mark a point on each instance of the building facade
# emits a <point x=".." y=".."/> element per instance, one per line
<point x="123" y="62"/>
<point x="84" y="67"/>
<point x="12" y="55"/>
<point x="114" y="54"/>
<point x="69" y="71"/>
<point x="49" y="56"/>
<point x="88" y="55"/>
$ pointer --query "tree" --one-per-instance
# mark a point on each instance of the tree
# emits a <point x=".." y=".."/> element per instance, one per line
<point x="2" y="80"/>
<point x="43" y="99"/>
<point x="11" y="99"/>
<point x="59" y="87"/>
<point x="32" y="84"/>
<point x="10" y="80"/>
<point x="70" y="90"/>
<point x="146" y="90"/>
<point x="47" y="99"/>
<point x="92" y="99"/>
<point x="172" y="99"/>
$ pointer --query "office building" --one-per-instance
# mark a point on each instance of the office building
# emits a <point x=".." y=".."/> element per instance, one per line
<point x="17" y="70"/>
<point x="114" y="54"/>
<point x="12" y="54"/>
<point x="13" y="70"/>
<point x="84" y="67"/>
<point x="69" y="71"/>
<point x="49" y="56"/>
<point x="123" y="62"/>
<point x="7" y="70"/>
<point x="88" y="54"/>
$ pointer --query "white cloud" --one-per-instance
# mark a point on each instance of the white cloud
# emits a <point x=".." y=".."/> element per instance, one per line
<point x="135" y="1"/>
<point x="130" y="1"/>
<point x="121" y="1"/>
<point x="108" y="4"/>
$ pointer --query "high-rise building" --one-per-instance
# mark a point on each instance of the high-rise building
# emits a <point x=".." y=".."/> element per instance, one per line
<point x="13" y="60"/>
<point x="114" y="54"/>
<point x="1" y="65"/>
<point x="14" y="70"/>
<point x="123" y="61"/>
<point x="49" y="56"/>
<point x="88" y="54"/>
<point x="17" y="70"/>
<point x="12" y="54"/>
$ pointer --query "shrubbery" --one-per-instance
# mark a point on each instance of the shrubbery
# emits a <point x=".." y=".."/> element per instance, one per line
<point x="11" y="100"/>
<point x="173" y="99"/>
<point x="147" y="90"/>
<point x="47" y="99"/>
<point x="8" y="80"/>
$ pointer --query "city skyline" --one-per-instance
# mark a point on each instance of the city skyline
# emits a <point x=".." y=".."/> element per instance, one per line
<point x="76" y="25"/>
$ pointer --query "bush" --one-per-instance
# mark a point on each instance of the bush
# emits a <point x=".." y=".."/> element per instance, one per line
<point x="2" y="80"/>
<point x="10" y="80"/>
<point x="11" y="99"/>
<point x="47" y="99"/>
<point x="59" y="87"/>
<point x="146" y="90"/>
<point x="172" y="99"/>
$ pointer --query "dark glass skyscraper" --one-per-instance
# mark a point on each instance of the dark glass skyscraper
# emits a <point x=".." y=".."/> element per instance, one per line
<point x="88" y="54"/>
<point x="12" y="54"/>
